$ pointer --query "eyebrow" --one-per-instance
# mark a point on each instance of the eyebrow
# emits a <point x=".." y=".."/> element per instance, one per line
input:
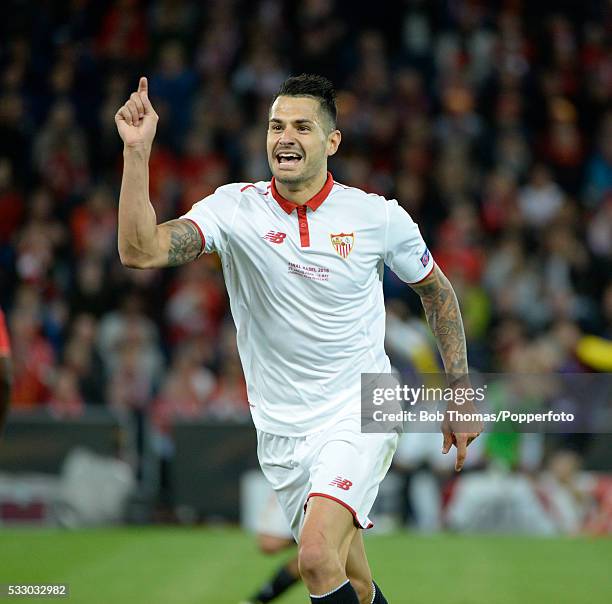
<point x="298" y="121"/>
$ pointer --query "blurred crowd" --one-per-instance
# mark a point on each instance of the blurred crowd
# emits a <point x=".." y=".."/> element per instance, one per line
<point x="489" y="122"/>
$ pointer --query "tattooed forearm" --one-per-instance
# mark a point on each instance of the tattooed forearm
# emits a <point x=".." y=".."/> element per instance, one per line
<point x="185" y="242"/>
<point x="444" y="318"/>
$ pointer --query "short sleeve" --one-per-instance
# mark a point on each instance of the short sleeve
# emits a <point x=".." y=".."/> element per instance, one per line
<point x="214" y="216"/>
<point x="406" y="253"/>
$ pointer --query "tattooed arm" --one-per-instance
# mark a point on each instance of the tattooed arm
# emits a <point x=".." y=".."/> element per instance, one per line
<point x="444" y="318"/>
<point x="142" y="242"/>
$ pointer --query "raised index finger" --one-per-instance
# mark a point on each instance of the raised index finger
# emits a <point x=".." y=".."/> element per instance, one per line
<point x="143" y="85"/>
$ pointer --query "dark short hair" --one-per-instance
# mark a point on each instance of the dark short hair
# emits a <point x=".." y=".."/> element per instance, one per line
<point x="314" y="86"/>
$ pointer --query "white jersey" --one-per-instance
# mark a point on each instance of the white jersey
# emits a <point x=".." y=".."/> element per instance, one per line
<point x="305" y="290"/>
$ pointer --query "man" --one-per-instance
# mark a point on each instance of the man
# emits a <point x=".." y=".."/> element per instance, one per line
<point x="302" y="258"/>
<point x="5" y="372"/>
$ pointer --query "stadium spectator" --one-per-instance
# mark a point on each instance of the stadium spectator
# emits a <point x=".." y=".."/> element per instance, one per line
<point x="65" y="400"/>
<point x="186" y="389"/>
<point x="123" y="32"/>
<point x="565" y="491"/>
<point x="174" y="84"/>
<point x="93" y="224"/>
<point x="229" y="399"/>
<point x="90" y="292"/>
<point x="81" y="356"/>
<point x="127" y="335"/>
<point x="60" y="152"/>
<point x="33" y="356"/>
<point x="131" y="384"/>
<point x="541" y="198"/>
<point x="196" y="304"/>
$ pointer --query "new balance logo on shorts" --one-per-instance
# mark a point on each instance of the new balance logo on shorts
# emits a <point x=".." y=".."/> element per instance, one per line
<point x="274" y="237"/>
<point x="341" y="483"/>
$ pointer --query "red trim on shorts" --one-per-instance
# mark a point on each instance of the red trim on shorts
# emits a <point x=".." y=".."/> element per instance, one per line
<point x="197" y="226"/>
<point x="425" y="277"/>
<point x="343" y="504"/>
<point x="5" y="344"/>
<point x="303" y="225"/>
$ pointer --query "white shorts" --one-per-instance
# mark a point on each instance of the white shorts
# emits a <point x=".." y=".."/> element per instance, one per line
<point x="339" y="463"/>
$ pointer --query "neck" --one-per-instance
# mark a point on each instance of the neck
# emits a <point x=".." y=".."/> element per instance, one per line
<point x="300" y="193"/>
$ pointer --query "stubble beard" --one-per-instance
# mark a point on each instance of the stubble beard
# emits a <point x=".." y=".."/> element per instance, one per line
<point x="295" y="180"/>
<point x="288" y="179"/>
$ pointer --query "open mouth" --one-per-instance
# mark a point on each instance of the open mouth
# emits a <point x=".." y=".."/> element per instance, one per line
<point x="286" y="158"/>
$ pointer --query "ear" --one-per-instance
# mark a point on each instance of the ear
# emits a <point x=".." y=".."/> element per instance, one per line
<point x="333" y="142"/>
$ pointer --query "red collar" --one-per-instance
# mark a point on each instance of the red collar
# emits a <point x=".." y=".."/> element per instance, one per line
<point x="313" y="203"/>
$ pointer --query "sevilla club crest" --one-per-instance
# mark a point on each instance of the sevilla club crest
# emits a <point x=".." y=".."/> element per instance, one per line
<point x="343" y="243"/>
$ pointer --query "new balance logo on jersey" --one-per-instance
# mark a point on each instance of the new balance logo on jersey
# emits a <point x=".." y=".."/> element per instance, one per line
<point x="274" y="237"/>
<point x="341" y="483"/>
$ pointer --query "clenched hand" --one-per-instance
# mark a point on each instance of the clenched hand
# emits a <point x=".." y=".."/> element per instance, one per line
<point x="136" y="120"/>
